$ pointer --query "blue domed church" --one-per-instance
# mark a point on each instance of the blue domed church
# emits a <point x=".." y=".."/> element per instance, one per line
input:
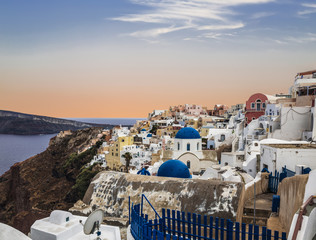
<point x="187" y="147"/>
<point x="174" y="168"/>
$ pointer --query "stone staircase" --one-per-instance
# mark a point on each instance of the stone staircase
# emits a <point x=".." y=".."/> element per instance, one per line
<point x="263" y="210"/>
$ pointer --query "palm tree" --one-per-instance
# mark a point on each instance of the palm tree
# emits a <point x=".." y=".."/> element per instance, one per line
<point x="128" y="157"/>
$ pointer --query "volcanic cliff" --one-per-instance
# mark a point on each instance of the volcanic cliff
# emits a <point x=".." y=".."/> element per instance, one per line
<point x="53" y="179"/>
<point x="28" y="124"/>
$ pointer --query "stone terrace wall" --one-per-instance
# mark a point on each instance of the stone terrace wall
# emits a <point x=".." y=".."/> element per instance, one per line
<point x="261" y="187"/>
<point x="291" y="191"/>
<point x="110" y="191"/>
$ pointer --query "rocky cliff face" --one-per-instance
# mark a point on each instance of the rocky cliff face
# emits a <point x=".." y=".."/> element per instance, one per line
<point x="27" y="124"/>
<point x="32" y="189"/>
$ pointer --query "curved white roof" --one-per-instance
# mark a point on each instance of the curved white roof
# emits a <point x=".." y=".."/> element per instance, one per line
<point x="8" y="233"/>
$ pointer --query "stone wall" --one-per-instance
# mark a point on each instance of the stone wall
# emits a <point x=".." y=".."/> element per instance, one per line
<point x="291" y="191"/>
<point x="110" y="191"/>
<point x="261" y="187"/>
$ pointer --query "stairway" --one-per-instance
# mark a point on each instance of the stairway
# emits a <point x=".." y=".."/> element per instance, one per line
<point x="263" y="210"/>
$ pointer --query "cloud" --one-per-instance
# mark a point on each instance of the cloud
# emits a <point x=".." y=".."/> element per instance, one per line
<point x="176" y="15"/>
<point x="298" y="39"/>
<point x="307" y="38"/>
<point x="156" y="31"/>
<point x="311" y="9"/>
<point x="259" y="15"/>
<point x="221" y="27"/>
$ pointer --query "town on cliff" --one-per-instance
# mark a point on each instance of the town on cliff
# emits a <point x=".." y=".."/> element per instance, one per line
<point x="190" y="172"/>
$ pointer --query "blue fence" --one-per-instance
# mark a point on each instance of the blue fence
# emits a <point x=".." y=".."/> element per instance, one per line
<point x="274" y="181"/>
<point x="278" y="177"/>
<point x="288" y="172"/>
<point x="176" y="225"/>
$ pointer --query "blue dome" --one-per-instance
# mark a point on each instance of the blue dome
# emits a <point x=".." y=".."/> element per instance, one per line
<point x="149" y="135"/>
<point x="188" y="133"/>
<point x="174" y="168"/>
<point x="143" y="130"/>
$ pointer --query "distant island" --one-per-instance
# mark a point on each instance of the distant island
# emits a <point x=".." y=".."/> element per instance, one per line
<point x="28" y="124"/>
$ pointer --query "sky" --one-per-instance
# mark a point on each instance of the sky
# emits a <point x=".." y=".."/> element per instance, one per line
<point x="124" y="58"/>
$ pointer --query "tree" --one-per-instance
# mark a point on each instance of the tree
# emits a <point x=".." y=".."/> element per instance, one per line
<point x="128" y="157"/>
<point x="154" y="129"/>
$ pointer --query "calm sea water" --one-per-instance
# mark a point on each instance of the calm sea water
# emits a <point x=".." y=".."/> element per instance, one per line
<point x="16" y="148"/>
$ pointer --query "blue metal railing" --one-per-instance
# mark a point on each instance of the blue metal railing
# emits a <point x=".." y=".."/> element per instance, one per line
<point x="178" y="225"/>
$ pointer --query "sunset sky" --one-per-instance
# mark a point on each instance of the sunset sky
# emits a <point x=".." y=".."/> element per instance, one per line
<point x="124" y="58"/>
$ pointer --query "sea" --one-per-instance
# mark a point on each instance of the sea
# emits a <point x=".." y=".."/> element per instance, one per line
<point x="17" y="148"/>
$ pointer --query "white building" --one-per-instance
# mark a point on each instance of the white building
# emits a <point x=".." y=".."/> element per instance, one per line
<point x="307" y="230"/>
<point x="187" y="147"/>
<point x="139" y="153"/>
<point x="294" y="121"/>
<point x="195" y="110"/>
<point x="100" y="159"/>
<point x="62" y="225"/>
<point x="155" y="113"/>
<point x="145" y="135"/>
<point x="226" y="173"/>
<point x="216" y="136"/>
<point x="119" y="132"/>
<point x="293" y="155"/>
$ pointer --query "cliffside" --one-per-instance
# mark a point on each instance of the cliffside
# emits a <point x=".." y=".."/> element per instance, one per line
<point x="50" y="180"/>
<point x="27" y="124"/>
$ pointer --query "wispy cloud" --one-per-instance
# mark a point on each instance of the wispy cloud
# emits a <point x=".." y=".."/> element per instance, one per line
<point x="156" y="31"/>
<point x="298" y="39"/>
<point x="221" y="27"/>
<point x="309" y="37"/>
<point x="176" y="15"/>
<point x="259" y="15"/>
<point x="311" y="8"/>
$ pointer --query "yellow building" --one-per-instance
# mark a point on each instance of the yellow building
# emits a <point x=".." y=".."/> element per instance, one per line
<point x="113" y="159"/>
<point x="170" y="131"/>
<point x="194" y="123"/>
<point x="204" y="131"/>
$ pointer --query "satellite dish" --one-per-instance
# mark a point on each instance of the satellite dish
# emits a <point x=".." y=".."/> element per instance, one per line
<point x="93" y="222"/>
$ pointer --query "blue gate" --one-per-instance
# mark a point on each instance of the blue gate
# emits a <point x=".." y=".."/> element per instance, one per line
<point x="278" y="177"/>
<point x="274" y="181"/>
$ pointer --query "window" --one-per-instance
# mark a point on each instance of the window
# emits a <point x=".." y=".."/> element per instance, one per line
<point x="258" y="102"/>
<point x="188" y="164"/>
<point x="178" y="146"/>
<point x="198" y="146"/>
<point x="263" y="105"/>
<point x="188" y="147"/>
<point x="252" y="105"/>
<point x="222" y="137"/>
